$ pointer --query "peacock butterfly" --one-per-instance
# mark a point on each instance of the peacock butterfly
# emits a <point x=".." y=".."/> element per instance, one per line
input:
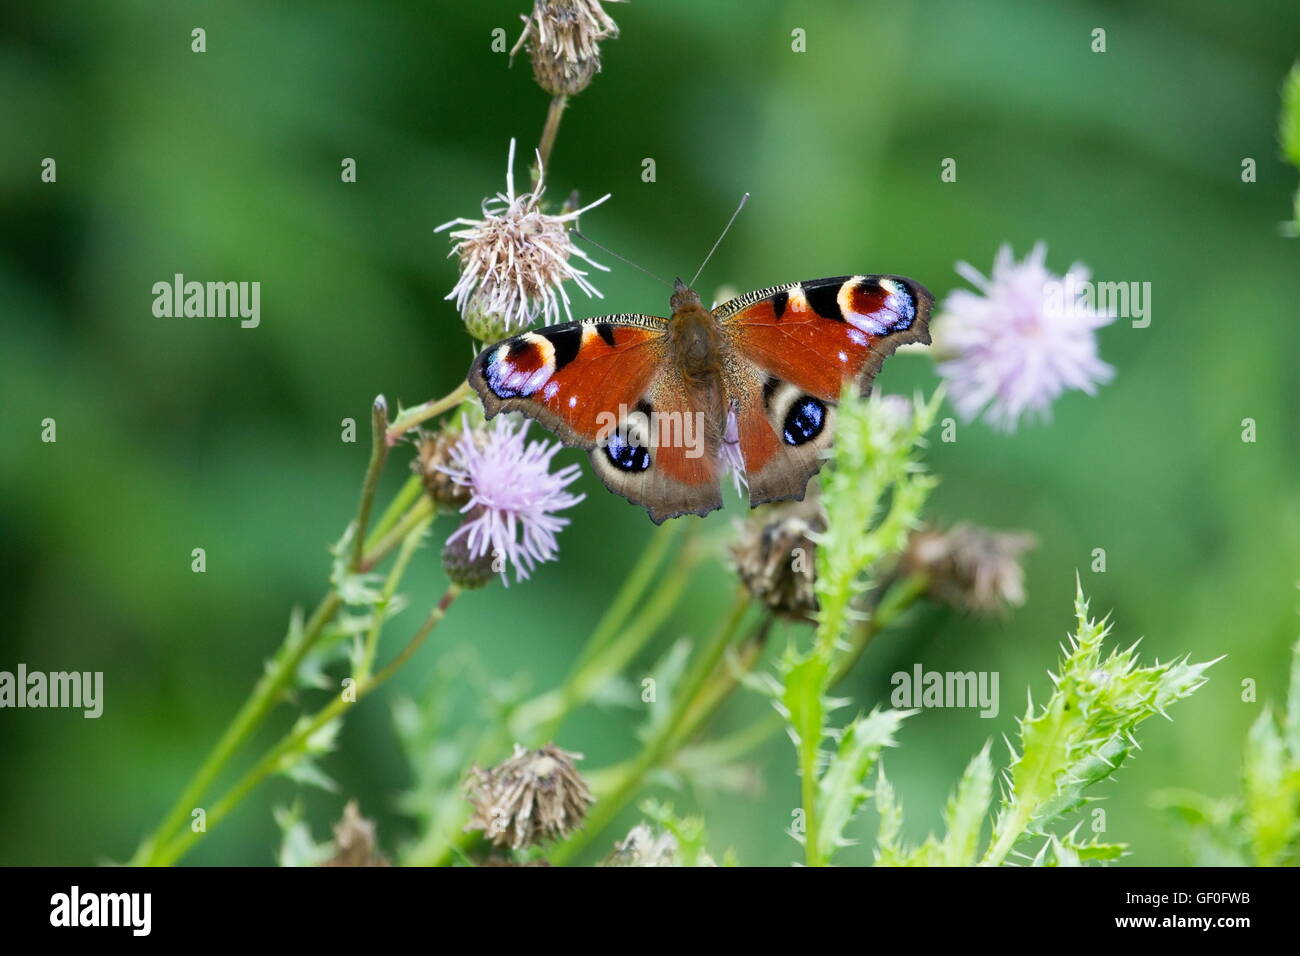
<point x="666" y="405"/>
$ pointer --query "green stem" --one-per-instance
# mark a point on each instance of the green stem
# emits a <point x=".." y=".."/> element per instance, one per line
<point x="633" y="587"/>
<point x="551" y="129"/>
<point x="608" y="806"/>
<point x="411" y="417"/>
<point x="378" y="455"/>
<point x="537" y="720"/>
<point x="379" y="612"/>
<point x="420" y="512"/>
<point x="898" y="599"/>
<point x="406" y="497"/>
<point x="264" y="697"/>
<point x="269" y="688"/>
<point x="298" y="738"/>
<point x="896" y="596"/>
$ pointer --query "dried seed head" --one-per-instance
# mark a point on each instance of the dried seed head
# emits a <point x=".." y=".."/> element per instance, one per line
<point x="515" y="260"/>
<point x="563" y="40"/>
<point x="535" y="796"/>
<point x="433" y="454"/>
<point x="354" y="840"/>
<point x="774" y="554"/>
<point x="970" y="567"/>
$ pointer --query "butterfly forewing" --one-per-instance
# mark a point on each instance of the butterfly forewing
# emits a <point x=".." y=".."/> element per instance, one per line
<point x="795" y="347"/>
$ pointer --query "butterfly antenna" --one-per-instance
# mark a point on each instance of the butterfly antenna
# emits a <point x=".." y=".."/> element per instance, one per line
<point x="605" y="249"/>
<point x="743" y="199"/>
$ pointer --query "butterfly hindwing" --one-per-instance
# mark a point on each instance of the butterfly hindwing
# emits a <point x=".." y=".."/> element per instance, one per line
<point x="603" y="384"/>
<point x="794" y="348"/>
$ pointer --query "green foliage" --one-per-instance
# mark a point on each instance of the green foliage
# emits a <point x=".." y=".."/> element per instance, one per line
<point x="1078" y="738"/>
<point x="1260" y="825"/>
<point x="840" y="790"/>
<point x="1289" y="128"/>
<point x="297" y="845"/>
<point x="1083" y="733"/>
<point x="688" y="834"/>
<point x="873" y="494"/>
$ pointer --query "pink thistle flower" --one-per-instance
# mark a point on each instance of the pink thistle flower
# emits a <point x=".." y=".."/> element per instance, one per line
<point x="513" y="494"/>
<point x="1013" y="349"/>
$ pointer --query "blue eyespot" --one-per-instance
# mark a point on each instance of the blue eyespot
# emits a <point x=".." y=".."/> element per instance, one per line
<point x="626" y="456"/>
<point x="804" y="421"/>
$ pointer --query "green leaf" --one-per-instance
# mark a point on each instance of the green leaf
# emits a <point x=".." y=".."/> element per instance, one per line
<point x="1272" y="792"/>
<point x="1289" y="124"/>
<point x="297" y="846"/>
<point x="1085" y="731"/>
<point x="965" y="812"/>
<point x="802" y="701"/>
<point x="889" y="847"/>
<point x="666" y="673"/>
<point x="841" y="790"/>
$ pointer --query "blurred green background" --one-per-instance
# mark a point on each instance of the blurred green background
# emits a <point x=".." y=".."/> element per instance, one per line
<point x="183" y="433"/>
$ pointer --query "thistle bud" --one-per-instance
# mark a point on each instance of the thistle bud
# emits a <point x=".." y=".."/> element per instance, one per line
<point x="483" y="324"/>
<point x="465" y="565"/>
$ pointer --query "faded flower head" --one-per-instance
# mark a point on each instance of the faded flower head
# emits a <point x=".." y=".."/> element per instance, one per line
<point x="1022" y="341"/>
<point x="354" y="840"/>
<point x="535" y="796"/>
<point x="970" y="567"/>
<point x="433" y="452"/>
<point x="644" y="846"/>
<point x="515" y="260"/>
<point x="563" y="40"/>
<point x="513" y="495"/>
<point x="775" y="556"/>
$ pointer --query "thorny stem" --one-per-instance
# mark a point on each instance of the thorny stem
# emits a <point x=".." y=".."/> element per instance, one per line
<point x="409" y="494"/>
<point x="264" y="697"/>
<point x="270" y="687"/>
<point x="537" y="720"/>
<point x="892" y="603"/>
<point x="608" y="805"/>
<point x="297" y="738"/>
<point x="420" y="511"/>
<point x="893" y="598"/>
<point x="604" y="655"/>
<point x="630" y="592"/>
<point x="411" y="417"/>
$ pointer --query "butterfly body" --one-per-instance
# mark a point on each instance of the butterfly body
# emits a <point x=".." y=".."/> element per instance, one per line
<point x="668" y="406"/>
